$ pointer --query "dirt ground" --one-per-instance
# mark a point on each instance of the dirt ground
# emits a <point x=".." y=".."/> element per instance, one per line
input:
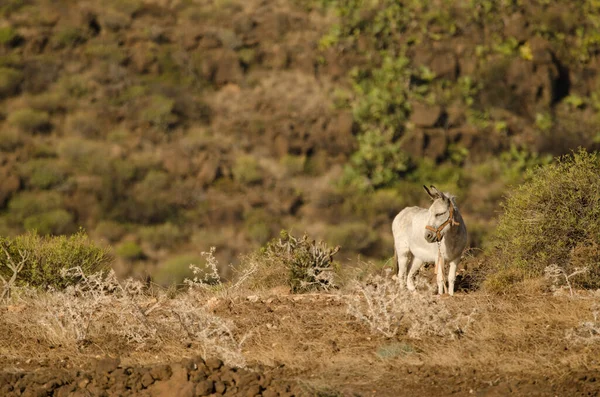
<point x="309" y="345"/>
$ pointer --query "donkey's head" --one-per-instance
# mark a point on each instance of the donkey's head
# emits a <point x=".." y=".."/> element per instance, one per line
<point x="441" y="215"/>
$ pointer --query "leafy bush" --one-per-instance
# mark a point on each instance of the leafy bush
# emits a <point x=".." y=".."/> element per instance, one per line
<point x="176" y="269"/>
<point x="10" y="139"/>
<point x="130" y="250"/>
<point x="246" y="170"/>
<point x="27" y="204"/>
<point x="29" y="120"/>
<point x="166" y="235"/>
<point x="10" y="80"/>
<point x="309" y="264"/>
<point x="553" y="219"/>
<point x="158" y="111"/>
<point x="44" y="257"/>
<point x="57" y="221"/>
<point x="42" y="173"/>
<point x="355" y="236"/>
<point x="110" y="230"/>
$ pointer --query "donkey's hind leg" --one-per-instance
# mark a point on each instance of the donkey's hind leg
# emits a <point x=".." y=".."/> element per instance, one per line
<point x="402" y="258"/>
<point x="414" y="268"/>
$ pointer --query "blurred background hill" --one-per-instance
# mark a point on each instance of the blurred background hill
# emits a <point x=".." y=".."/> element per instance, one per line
<point x="165" y="127"/>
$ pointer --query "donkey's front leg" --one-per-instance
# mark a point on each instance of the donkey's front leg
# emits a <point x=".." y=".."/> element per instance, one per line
<point x="439" y="266"/>
<point x="452" y="276"/>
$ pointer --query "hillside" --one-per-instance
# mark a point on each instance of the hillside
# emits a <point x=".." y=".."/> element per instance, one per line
<point x="166" y="127"/>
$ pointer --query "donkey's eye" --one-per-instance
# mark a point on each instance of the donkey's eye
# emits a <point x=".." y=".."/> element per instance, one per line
<point x="440" y="214"/>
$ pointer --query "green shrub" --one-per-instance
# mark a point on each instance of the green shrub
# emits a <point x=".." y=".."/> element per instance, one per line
<point x="246" y="170"/>
<point x="86" y="155"/>
<point x="42" y="173"/>
<point x="85" y="124"/>
<point x="7" y="34"/>
<point x="158" y="111"/>
<point x="130" y="251"/>
<point x="68" y="36"/>
<point x="111" y="231"/>
<point x="553" y="219"/>
<point x="177" y="269"/>
<point x="50" y="102"/>
<point x="9" y="139"/>
<point x="10" y="81"/>
<point x="354" y="236"/>
<point x="28" y="203"/>
<point x="46" y="256"/>
<point x="58" y="221"/>
<point x="29" y="120"/>
<point x="378" y="162"/>
<point x="166" y="235"/>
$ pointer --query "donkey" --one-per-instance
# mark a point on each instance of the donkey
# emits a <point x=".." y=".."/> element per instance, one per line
<point x="437" y="234"/>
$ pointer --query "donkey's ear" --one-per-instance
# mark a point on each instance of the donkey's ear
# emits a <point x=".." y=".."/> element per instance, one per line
<point x="433" y="195"/>
<point x="437" y="193"/>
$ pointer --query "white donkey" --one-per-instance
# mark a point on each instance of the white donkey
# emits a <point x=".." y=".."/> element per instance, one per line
<point x="437" y="234"/>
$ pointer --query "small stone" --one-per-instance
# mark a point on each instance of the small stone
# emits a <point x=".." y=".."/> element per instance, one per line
<point x="220" y="387"/>
<point x="205" y="388"/>
<point x="214" y="363"/>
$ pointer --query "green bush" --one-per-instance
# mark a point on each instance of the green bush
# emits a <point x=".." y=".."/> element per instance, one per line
<point x="177" y="269"/>
<point x="45" y="256"/>
<point x="10" y="80"/>
<point x="58" y="221"/>
<point x="553" y="219"/>
<point x="51" y="102"/>
<point x="110" y="230"/>
<point x="247" y="171"/>
<point x="130" y="251"/>
<point x="27" y="203"/>
<point x="10" y="139"/>
<point x="7" y="34"/>
<point x="42" y="173"/>
<point x="354" y="236"/>
<point x="68" y="36"/>
<point x="158" y="111"/>
<point x="166" y="235"/>
<point x="29" y="120"/>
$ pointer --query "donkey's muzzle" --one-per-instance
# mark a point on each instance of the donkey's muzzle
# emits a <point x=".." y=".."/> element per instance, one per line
<point x="430" y="236"/>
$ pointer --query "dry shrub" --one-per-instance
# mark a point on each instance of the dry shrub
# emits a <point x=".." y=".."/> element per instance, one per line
<point x="390" y="310"/>
<point x="587" y="331"/>
<point x="553" y="219"/>
<point x="100" y="307"/>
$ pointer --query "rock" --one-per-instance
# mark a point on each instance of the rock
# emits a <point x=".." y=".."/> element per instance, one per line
<point x="9" y="184"/>
<point x="220" y="387"/>
<point x="445" y="65"/>
<point x="426" y="116"/>
<point x="214" y="363"/>
<point x="107" y="365"/>
<point x="515" y="25"/>
<point x="147" y="380"/>
<point x="222" y="66"/>
<point x="205" y="387"/>
<point x="436" y="144"/>
<point x="161" y="372"/>
<point x="413" y="142"/>
<point x="455" y="116"/>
